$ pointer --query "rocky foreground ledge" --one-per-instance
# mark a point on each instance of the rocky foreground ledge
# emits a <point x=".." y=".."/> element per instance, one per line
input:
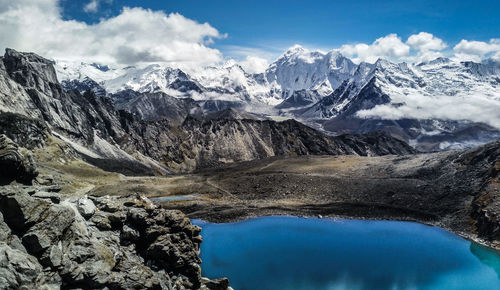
<point x="95" y="242"/>
<point x="50" y="241"/>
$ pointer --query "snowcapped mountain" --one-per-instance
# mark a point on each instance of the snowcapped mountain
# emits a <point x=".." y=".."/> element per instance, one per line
<point x="153" y="78"/>
<point x="324" y="89"/>
<point x="300" y="69"/>
<point x="297" y="69"/>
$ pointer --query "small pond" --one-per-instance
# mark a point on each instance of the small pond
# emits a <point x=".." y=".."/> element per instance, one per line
<point x="169" y="198"/>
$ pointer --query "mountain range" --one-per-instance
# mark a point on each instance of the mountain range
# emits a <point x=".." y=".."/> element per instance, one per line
<point x="435" y="105"/>
<point x="153" y="132"/>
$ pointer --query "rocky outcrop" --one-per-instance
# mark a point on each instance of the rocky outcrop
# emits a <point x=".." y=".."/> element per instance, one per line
<point x="14" y="165"/>
<point x="26" y="132"/>
<point x="95" y="243"/>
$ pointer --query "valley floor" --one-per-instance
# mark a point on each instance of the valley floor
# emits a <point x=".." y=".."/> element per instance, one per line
<point x="440" y="188"/>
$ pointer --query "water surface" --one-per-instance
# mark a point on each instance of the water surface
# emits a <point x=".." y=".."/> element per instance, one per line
<point x="169" y="198"/>
<point x="310" y="253"/>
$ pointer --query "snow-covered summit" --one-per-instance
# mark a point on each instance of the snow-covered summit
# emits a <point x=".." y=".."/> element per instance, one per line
<point x="302" y="69"/>
<point x="71" y="70"/>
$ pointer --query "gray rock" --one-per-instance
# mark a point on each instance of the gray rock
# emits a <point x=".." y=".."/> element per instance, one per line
<point x="18" y="269"/>
<point x="137" y="246"/>
<point x="86" y="207"/>
<point x="7" y="237"/>
<point x="56" y="255"/>
<point x="52" y="196"/>
<point x="13" y="164"/>
<point x="49" y="228"/>
<point x="129" y="234"/>
<point x="101" y="221"/>
<point x="219" y="284"/>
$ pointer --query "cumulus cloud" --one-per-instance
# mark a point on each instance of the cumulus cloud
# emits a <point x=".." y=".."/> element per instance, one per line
<point x="476" y="108"/>
<point x="477" y="50"/>
<point x="390" y="47"/>
<point x="252" y="59"/>
<point x="423" y="46"/>
<point x="425" y="41"/>
<point x="254" y="64"/>
<point x="135" y="36"/>
<point x="427" y="46"/>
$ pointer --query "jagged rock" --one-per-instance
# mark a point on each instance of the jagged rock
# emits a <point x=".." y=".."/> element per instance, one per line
<point x="101" y="221"/>
<point x="218" y="284"/>
<point x="54" y="197"/>
<point x="8" y="238"/>
<point x="128" y="234"/>
<point x="24" y="131"/>
<point x="114" y="248"/>
<point x="18" y="270"/>
<point x="486" y="206"/>
<point x="13" y="164"/>
<point x="43" y="234"/>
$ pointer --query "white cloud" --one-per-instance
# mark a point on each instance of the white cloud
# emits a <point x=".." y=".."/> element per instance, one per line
<point x="476" y="108"/>
<point x="390" y="47"/>
<point x="424" y="41"/>
<point x="135" y="36"/>
<point x="138" y="36"/>
<point x="91" y="6"/>
<point x="477" y="50"/>
<point x="427" y="46"/>
<point x="254" y="64"/>
<point x="424" y="45"/>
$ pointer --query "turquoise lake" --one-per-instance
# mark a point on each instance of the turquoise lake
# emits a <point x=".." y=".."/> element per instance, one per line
<point x="310" y="253"/>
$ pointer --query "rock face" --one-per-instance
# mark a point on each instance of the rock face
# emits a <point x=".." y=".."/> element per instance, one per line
<point x="96" y="242"/>
<point x="486" y="205"/>
<point x="202" y="144"/>
<point x="26" y="132"/>
<point x="13" y="164"/>
<point x="155" y="106"/>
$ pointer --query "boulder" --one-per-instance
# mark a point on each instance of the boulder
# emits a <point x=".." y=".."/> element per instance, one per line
<point x="218" y="284"/>
<point x="86" y="207"/>
<point x="15" y="166"/>
<point x="52" y="196"/>
<point x="18" y="269"/>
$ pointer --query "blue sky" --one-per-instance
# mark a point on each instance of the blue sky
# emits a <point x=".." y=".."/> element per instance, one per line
<point x="273" y="25"/>
<point x="198" y="33"/>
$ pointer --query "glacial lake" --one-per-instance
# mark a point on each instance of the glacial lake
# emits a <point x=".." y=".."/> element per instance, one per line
<point x="310" y="253"/>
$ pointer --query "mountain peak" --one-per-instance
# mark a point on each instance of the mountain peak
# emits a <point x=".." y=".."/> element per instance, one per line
<point x="334" y="54"/>
<point x="295" y="49"/>
<point x="438" y="60"/>
<point x="382" y="63"/>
